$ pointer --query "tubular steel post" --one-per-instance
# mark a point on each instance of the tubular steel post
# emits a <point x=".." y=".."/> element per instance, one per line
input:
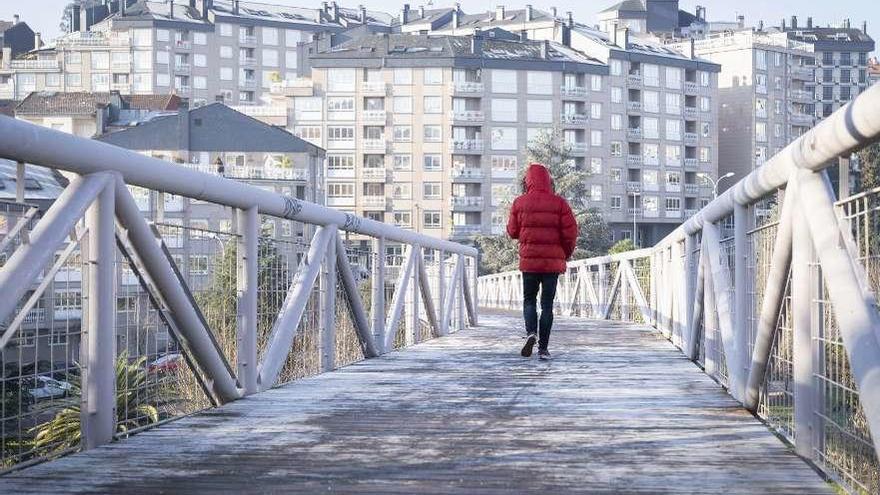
<point x="20" y="176"/>
<point x="689" y="291"/>
<point x="427" y="296"/>
<point x="378" y="296"/>
<point x="98" y="414"/>
<point x="441" y="289"/>
<point x="247" y="254"/>
<point x="328" y="304"/>
<point x="720" y="287"/>
<point x="414" y="336"/>
<point x="740" y="294"/>
<point x="801" y="316"/>
<point x="398" y="300"/>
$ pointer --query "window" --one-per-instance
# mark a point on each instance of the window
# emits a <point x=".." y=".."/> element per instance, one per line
<point x="650" y="128"/>
<point x="761" y="59"/>
<point x="595" y="192"/>
<point x="704" y="155"/>
<point x="66" y="300"/>
<point x="760" y="107"/>
<point x="651" y="154"/>
<point x="595" y="165"/>
<point x="616" y="121"/>
<point x="341" y="80"/>
<point x="503" y="81"/>
<point x="401" y="190"/>
<point x="433" y="104"/>
<point x="432" y="220"/>
<point x="161" y="35"/>
<point x="616" y="67"/>
<point x="539" y="111"/>
<point x="200" y="39"/>
<point x="539" y="83"/>
<point x="225" y="29"/>
<point x="142" y="37"/>
<point x="431" y="190"/>
<point x="340" y="162"/>
<point x="200" y="60"/>
<point x="198" y="264"/>
<point x="270" y="36"/>
<point x="650" y="205"/>
<point x="673" y="204"/>
<point x="403" y="76"/>
<point x="616" y="175"/>
<point x="403" y="218"/>
<point x="596" y="83"/>
<point x="340" y="190"/>
<point x="143" y="60"/>
<point x="761" y="83"/>
<point x="595" y="138"/>
<point x="200" y="82"/>
<point x="226" y="51"/>
<point x="433" y="134"/>
<point x="162" y="57"/>
<point x="673" y="156"/>
<point x="290" y="59"/>
<point x="504" y="110"/>
<point x="504" y="138"/>
<point x="704" y="104"/>
<point x="53" y="80"/>
<point x="673" y="179"/>
<point x="761" y="131"/>
<point x="616" y="95"/>
<point x="433" y="76"/>
<point x="616" y="148"/>
<point x="340" y="133"/>
<point x="503" y="164"/>
<point x="311" y="133"/>
<point x="595" y="111"/>
<point x="225" y="73"/>
<point x="402" y="162"/>
<point x="704" y="79"/>
<point x="163" y="80"/>
<point x="704" y="129"/>
<point x="651" y="75"/>
<point x="651" y="101"/>
<point x="615" y="202"/>
<point x="673" y="78"/>
<point x="403" y="133"/>
<point x="270" y="57"/>
<point x="673" y="130"/>
<point x="673" y="103"/>
<point x="402" y="104"/>
<point x="432" y="163"/>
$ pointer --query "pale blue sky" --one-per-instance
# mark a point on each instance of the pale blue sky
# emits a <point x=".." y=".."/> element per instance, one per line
<point x="44" y="15"/>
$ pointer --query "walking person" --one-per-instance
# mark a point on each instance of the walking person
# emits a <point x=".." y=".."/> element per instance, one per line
<point x="545" y="226"/>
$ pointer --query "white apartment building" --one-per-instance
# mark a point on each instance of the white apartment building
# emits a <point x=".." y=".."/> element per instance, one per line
<point x="766" y="96"/>
<point x="204" y="50"/>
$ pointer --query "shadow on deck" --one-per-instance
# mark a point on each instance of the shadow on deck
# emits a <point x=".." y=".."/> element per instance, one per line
<point x="618" y="410"/>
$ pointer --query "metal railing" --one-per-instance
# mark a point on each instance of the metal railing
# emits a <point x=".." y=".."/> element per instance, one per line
<point x="120" y="312"/>
<point x="772" y="289"/>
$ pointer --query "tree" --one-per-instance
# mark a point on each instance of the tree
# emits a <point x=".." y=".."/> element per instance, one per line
<point x="869" y="161"/>
<point x="622" y="246"/>
<point x="499" y="253"/>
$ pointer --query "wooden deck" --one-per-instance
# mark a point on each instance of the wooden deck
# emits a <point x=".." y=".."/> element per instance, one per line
<point x="618" y="410"/>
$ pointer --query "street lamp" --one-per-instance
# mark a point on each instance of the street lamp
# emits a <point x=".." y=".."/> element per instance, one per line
<point x="635" y="215"/>
<point x="715" y="183"/>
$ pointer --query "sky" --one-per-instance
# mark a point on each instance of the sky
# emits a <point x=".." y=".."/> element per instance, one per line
<point x="44" y="15"/>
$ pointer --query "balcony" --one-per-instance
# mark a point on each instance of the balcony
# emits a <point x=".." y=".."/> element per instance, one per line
<point x="184" y="90"/>
<point x="471" y="145"/>
<point x="634" y="134"/>
<point x="294" y="87"/>
<point x="573" y="92"/>
<point x="690" y="212"/>
<point x="262" y="110"/>
<point x="375" y="174"/>
<point x="466" y="115"/>
<point x="247" y="40"/>
<point x="376" y="202"/>
<point x="466" y="230"/>
<point x="801" y="95"/>
<point x="340" y="173"/>
<point x="651" y="186"/>
<point x="374" y="116"/>
<point x="120" y="66"/>
<point x="463" y="202"/>
<point x="467" y="173"/>
<point x="634" y="106"/>
<point x="801" y="119"/>
<point x="691" y="138"/>
<point x="634" y="80"/>
<point x="498" y="173"/>
<point x="249" y="84"/>
<point x="691" y="88"/>
<point x="802" y="74"/>
<point x="573" y="119"/>
<point x="577" y="148"/>
<point x="691" y="163"/>
<point x="248" y="61"/>
<point x="633" y="159"/>
<point x="35" y="64"/>
<point x="36" y="316"/>
<point x="633" y="186"/>
<point x="467" y="87"/>
<point x="182" y="68"/>
<point x="374" y="87"/>
<point x="183" y="45"/>
<point x="340" y="201"/>
<point x="690" y="112"/>
<point x="672" y="214"/>
<point x="374" y="144"/>
<point x="691" y="189"/>
<point x="670" y="187"/>
<point x="634" y="212"/>
<point x="121" y="87"/>
<point x="650" y="213"/>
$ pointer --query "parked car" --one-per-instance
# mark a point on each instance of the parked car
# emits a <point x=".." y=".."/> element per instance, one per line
<point x="168" y="362"/>
<point x="44" y="387"/>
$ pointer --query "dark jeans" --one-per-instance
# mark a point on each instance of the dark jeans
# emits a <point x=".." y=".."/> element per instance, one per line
<point x="531" y="283"/>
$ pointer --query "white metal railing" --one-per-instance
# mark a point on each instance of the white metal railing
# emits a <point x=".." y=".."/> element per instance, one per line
<point x="262" y="110"/>
<point x="35" y="64"/>
<point x="573" y="91"/>
<point x="774" y="296"/>
<point x="466" y="144"/>
<point x="467" y="87"/>
<point x="466" y="201"/>
<point x="212" y="302"/>
<point x="373" y="116"/>
<point x="467" y="173"/>
<point x="576" y="119"/>
<point x="467" y="115"/>
<point x="369" y="144"/>
<point x="374" y="86"/>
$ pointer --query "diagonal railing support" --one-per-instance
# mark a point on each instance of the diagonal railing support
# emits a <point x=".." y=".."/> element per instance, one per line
<point x="355" y="304"/>
<point x="427" y="298"/>
<point x="398" y="300"/>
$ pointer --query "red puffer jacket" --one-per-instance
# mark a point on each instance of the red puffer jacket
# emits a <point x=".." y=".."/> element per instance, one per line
<point x="543" y="223"/>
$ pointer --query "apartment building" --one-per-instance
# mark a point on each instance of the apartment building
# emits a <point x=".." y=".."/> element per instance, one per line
<point x="766" y="95"/>
<point x="205" y="50"/>
<point x="658" y="104"/>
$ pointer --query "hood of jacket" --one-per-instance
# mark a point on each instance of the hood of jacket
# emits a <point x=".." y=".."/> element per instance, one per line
<point x="538" y="178"/>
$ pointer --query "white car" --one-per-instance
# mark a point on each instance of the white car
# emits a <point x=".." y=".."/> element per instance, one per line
<point x="44" y="387"/>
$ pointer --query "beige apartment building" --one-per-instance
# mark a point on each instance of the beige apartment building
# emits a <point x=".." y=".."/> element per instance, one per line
<point x="205" y="50"/>
<point x="766" y="93"/>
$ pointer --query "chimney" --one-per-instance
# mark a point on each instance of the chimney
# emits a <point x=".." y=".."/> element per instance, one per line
<point x="38" y="42"/>
<point x="794" y="22"/>
<point x="545" y="49"/>
<point x="741" y="21"/>
<point x="456" y="16"/>
<point x="477" y="42"/>
<point x="74" y="18"/>
<point x="865" y="27"/>
<point x="809" y="23"/>
<point x="171" y="7"/>
<point x="621" y="37"/>
<point x="421" y="11"/>
<point x="183" y="126"/>
<point x="334" y="11"/>
<point x="235" y="9"/>
<point x="404" y="14"/>
<point x="692" y="53"/>
<point x="529" y="13"/>
<point x="783" y="23"/>
<point x="363" y="12"/>
<point x="499" y="12"/>
<point x="553" y="12"/>
<point x="760" y="26"/>
<point x="523" y="35"/>
<point x="846" y="24"/>
<point x="15" y="19"/>
<point x="570" y="17"/>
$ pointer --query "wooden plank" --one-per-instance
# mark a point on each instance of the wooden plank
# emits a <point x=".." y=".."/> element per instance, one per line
<point x="618" y="410"/>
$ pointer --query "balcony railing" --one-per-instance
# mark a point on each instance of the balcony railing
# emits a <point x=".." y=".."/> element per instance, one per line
<point x="801" y="119"/>
<point x="183" y="90"/>
<point x="670" y="187"/>
<point x="185" y="68"/>
<point x="247" y="40"/>
<point x="374" y="87"/>
<point x="634" y="159"/>
<point x="578" y="148"/>
<point x="294" y="87"/>
<point x="633" y="186"/>
<point x="801" y="95"/>
<point x="577" y="119"/>
<point x="467" y="173"/>
<point x="467" y="115"/>
<point x="466" y="144"/>
<point x="802" y="73"/>
<point x="466" y="201"/>
<point x="375" y="174"/>
<point x="691" y="189"/>
<point x="248" y="61"/>
<point x="691" y="163"/>
<point x="672" y="213"/>
<point x="634" y="80"/>
<point x="374" y="116"/>
<point x="634" y="212"/>
<point x="690" y="112"/>
<point x="634" y="106"/>
<point x="262" y="110"/>
<point x="467" y="87"/>
<point x="634" y="133"/>
<point x="375" y="202"/>
<point x="691" y="137"/>
<point x="690" y="212"/>
<point x="374" y="144"/>
<point x="183" y="45"/>
<point x="247" y="83"/>
<point x="691" y="88"/>
<point x="35" y="64"/>
<point x="573" y="91"/>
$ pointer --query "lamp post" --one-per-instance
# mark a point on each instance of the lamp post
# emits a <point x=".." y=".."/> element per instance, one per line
<point x="715" y="183"/>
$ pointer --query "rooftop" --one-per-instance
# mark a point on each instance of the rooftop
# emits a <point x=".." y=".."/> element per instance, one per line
<point x="87" y="103"/>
